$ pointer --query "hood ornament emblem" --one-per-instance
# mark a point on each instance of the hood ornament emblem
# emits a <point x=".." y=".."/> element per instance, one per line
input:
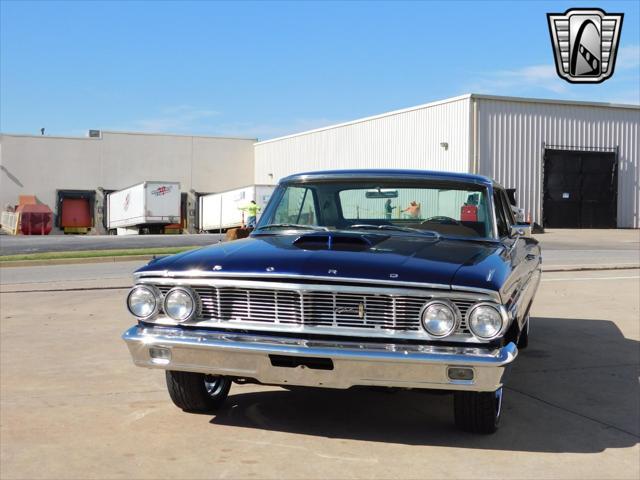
<point x="270" y="269"/>
<point x="333" y="272"/>
<point x="217" y="268"/>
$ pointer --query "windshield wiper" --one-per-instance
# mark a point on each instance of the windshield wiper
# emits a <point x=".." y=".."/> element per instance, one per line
<point x="397" y="228"/>
<point x="293" y="226"/>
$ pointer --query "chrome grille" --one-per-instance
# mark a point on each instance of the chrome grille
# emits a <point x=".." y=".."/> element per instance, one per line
<point x="316" y="308"/>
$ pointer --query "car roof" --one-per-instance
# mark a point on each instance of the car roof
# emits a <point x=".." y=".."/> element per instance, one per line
<point x="386" y="173"/>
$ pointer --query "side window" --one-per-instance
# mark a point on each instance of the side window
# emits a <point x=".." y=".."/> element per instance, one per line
<point x="296" y="206"/>
<point x="501" y="221"/>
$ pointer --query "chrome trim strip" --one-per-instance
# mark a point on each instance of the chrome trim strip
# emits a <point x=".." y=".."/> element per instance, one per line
<point x="407" y="176"/>
<point x="204" y="274"/>
<point x="355" y="363"/>
<point x="491" y="293"/>
<point x="308" y="287"/>
<point x="328" y="330"/>
<point x="197" y="274"/>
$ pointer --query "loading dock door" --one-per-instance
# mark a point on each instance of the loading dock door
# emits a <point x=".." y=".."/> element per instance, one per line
<point x="580" y="189"/>
<point x="75" y="213"/>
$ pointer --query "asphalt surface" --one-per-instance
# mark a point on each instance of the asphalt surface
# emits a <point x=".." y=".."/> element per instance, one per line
<point x="74" y="406"/>
<point x="20" y="244"/>
<point x="119" y="273"/>
<point x="560" y="250"/>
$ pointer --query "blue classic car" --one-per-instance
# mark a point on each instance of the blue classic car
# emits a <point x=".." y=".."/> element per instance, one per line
<point x="383" y="278"/>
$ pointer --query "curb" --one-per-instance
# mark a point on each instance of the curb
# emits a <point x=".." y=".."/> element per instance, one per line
<point x="588" y="268"/>
<point x="70" y="289"/>
<point x="71" y="261"/>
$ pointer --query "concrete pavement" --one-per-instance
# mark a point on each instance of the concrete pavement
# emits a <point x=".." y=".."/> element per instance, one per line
<point x="74" y="406"/>
<point x="590" y="248"/>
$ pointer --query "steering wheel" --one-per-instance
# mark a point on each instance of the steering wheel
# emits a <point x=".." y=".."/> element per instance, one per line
<point x="442" y="219"/>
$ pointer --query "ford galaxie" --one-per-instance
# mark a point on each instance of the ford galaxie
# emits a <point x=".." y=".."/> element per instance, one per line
<point x="385" y="278"/>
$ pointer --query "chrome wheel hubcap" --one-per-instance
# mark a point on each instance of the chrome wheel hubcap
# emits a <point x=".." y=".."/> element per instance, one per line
<point x="213" y="385"/>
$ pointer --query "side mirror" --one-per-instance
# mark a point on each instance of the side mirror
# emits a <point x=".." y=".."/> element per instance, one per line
<point x="521" y="230"/>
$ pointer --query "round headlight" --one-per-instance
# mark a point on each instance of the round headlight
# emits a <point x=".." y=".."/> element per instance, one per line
<point x="439" y="318"/>
<point x="142" y="301"/>
<point x="179" y="304"/>
<point x="485" y="321"/>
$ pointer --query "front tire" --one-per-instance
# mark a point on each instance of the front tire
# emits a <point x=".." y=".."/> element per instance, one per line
<point x="197" y="392"/>
<point x="478" y="412"/>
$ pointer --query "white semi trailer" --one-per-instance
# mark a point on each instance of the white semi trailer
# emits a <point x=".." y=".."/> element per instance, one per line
<point x="147" y="207"/>
<point x="221" y="211"/>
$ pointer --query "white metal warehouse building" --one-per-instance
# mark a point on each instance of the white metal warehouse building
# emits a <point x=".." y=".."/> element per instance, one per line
<point x="573" y="164"/>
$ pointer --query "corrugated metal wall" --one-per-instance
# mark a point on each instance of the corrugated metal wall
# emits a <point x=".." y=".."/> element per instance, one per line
<point x="405" y="139"/>
<point x="511" y="135"/>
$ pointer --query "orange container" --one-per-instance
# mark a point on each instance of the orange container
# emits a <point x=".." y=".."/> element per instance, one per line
<point x="27" y="200"/>
<point x="35" y="219"/>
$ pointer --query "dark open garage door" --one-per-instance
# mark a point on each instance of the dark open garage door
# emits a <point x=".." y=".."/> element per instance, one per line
<point x="580" y="189"/>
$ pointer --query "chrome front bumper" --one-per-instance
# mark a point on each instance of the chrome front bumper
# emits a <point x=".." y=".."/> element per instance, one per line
<point x="244" y="355"/>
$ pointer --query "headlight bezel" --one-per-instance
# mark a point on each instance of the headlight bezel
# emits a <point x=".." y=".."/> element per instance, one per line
<point x="448" y="304"/>
<point x="157" y="296"/>
<point x="499" y="309"/>
<point x="195" y="301"/>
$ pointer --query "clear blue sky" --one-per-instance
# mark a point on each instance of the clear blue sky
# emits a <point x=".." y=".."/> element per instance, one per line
<point x="270" y="68"/>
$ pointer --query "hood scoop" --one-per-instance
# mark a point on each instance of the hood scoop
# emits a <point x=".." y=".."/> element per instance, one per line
<point x="335" y="241"/>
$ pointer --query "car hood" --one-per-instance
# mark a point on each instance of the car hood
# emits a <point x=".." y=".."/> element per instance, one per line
<point x="376" y="257"/>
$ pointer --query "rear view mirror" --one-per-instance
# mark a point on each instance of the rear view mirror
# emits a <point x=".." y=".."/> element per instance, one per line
<point x="382" y="193"/>
<point x="521" y="230"/>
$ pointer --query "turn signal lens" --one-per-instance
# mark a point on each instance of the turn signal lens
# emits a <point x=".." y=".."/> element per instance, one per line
<point x="458" y="374"/>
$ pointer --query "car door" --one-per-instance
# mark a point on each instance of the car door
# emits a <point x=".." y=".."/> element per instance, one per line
<point x="524" y="257"/>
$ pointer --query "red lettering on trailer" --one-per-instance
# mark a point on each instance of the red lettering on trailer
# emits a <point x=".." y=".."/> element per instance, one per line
<point x="163" y="190"/>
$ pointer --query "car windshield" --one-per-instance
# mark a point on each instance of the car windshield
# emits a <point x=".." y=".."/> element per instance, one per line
<point x="446" y="208"/>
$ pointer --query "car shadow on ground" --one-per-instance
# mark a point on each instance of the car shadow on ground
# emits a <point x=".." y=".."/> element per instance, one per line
<point x="575" y="389"/>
